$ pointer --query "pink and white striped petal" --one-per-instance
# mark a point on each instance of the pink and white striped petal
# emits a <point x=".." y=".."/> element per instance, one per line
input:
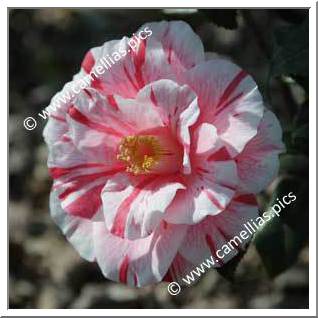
<point x="208" y="193"/>
<point x="228" y="99"/>
<point x="131" y="64"/>
<point x="178" y="108"/>
<point x="81" y="195"/>
<point x="98" y="127"/>
<point x="258" y="164"/>
<point x="57" y="127"/>
<point x="78" y="230"/>
<point x="183" y="48"/>
<point x="133" y="207"/>
<point x="179" y="268"/>
<point x="215" y="232"/>
<point x="114" y="76"/>
<point x="139" y="262"/>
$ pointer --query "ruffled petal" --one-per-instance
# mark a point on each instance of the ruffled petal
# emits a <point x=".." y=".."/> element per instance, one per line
<point x="178" y="108"/>
<point x="228" y="99"/>
<point x="139" y="262"/>
<point x="182" y="47"/>
<point x="206" y="140"/>
<point x="56" y="128"/>
<point x="133" y="207"/>
<point x="160" y="50"/>
<point x="179" y="268"/>
<point x="258" y="164"/>
<point x="208" y="193"/>
<point x="214" y="232"/>
<point x="97" y="126"/>
<point x="107" y="74"/>
<point x="80" y="195"/>
<point x="78" y="230"/>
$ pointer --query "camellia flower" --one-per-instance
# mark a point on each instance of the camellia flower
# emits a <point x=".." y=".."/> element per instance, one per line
<point x="157" y="162"/>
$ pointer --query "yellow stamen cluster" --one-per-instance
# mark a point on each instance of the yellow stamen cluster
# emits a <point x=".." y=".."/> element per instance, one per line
<point x="140" y="153"/>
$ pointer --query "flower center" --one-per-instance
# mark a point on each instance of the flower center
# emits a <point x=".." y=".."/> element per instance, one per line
<point x="140" y="153"/>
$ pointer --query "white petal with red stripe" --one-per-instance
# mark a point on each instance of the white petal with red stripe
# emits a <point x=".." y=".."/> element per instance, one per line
<point x="179" y="268"/>
<point x="171" y="48"/>
<point x="258" y="164"/>
<point x="178" y="107"/>
<point x="139" y="262"/>
<point x="228" y="99"/>
<point x="214" y="232"/>
<point x="133" y="207"/>
<point x="183" y="48"/>
<point x="117" y="75"/>
<point x="206" y="194"/>
<point x="78" y="230"/>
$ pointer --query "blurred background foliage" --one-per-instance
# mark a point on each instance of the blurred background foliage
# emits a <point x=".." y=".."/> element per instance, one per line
<point x="46" y="47"/>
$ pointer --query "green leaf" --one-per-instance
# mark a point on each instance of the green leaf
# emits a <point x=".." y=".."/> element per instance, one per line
<point x="228" y="270"/>
<point x="296" y="137"/>
<point x="300" y="139"/>
<point x="292" y="15"/>
<point x="303" y="81"/>
<point x="225" y="18"/>
<point x="291" y="50"/>
<point x="294" y="164"/>
<point x="278" y="246"/>
<point x="281" y="239"/>
<point x="301" y="134"/>
<point x="296" y="214"/>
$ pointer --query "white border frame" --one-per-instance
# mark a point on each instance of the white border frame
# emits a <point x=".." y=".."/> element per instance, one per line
<point x="158" y="312"/>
